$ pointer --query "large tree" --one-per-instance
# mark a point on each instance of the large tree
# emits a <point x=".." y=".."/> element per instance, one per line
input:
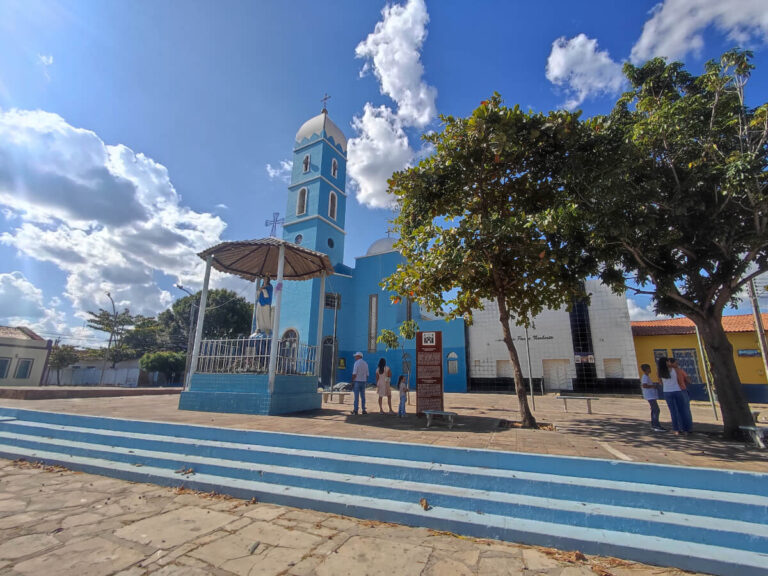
<point x="481" y="220"/>
<point x="678" y="207"/>
<point x="227" y="316"/>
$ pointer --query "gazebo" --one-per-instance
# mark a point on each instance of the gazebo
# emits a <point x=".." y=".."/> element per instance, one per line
<point x="257" y="375"/>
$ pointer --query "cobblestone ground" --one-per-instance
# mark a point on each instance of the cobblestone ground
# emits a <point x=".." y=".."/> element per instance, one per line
<point x="58" y="522"/>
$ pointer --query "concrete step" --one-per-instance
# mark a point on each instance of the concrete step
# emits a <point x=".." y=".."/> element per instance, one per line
<point x="707" y="479"/>
<point x="650" y="549"/>
<point x="693" y="528"/>
<point x="722" y="505"/>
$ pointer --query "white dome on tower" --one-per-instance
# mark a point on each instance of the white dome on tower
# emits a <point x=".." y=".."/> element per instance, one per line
<point x="319" y="124"/>
<point x="382" y="246"/>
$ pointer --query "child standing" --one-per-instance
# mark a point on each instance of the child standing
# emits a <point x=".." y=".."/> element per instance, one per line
<point x="402" y="387"/>
<point x="651" y="393"/>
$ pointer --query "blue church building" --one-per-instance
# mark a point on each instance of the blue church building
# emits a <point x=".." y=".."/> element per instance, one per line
<point x="357" y="307"/>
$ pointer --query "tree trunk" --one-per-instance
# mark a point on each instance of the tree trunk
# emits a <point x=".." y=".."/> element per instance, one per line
<point x="526" y="416"/>
<point x="733" y="403"/>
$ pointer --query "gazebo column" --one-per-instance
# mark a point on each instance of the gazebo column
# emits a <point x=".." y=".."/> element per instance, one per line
<point x="200" y="319"/>
<point x="276" y="322"/>
<point x="321" y="314"/>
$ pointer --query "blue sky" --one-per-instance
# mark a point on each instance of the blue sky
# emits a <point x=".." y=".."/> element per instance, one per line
<point x="134" y="134"/>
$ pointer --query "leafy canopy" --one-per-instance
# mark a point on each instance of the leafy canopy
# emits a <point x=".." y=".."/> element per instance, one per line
<point x="486" y="215"/>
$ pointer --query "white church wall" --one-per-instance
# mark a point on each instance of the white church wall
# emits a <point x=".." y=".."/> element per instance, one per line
<point x="549" y="339"/>
<point x="611" y="331"/>
<point x="551" y="344"/>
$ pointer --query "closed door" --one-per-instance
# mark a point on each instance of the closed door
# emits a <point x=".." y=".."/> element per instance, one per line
<point x="326" y="367"/>
<point x="555" y="374"/>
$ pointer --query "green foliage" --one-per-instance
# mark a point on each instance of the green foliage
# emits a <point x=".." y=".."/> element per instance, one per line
<point x="227" y="316"/>
<point x="487" y="217"/>
<point x="391" y="339"/>
<point x="146" y="335"/>
<point x="62" y="356"/>
<point x="168" y="363"/>
<point x="679" y="206"/>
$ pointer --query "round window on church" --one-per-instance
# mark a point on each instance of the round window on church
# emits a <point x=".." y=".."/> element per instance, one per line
<point x="298" y="239"/>
<point x="330" y="242"/>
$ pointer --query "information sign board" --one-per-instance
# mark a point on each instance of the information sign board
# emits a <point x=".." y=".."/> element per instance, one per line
<point x="429" y="371"/>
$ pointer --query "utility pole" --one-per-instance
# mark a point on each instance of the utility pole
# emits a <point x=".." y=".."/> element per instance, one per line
<point x="190" y="337"/>
<point x="111" y="336"/>
<point x="759" y="328"/>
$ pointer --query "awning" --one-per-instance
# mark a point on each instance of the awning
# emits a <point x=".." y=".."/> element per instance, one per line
<point x="251" y="259"/>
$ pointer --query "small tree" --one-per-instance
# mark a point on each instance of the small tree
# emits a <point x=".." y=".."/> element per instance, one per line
<point x="167" y="363"/>
<point x="61" y="357"/>
<point x="396" y="340"/>
<point x="481" y="219"/>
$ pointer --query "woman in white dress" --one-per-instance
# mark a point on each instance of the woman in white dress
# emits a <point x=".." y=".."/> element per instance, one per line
<point x="383" y="378"/>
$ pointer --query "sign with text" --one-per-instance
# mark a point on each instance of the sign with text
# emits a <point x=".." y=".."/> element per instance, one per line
<point x="429" y="371"/>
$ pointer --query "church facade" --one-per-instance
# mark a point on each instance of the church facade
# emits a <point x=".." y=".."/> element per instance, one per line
<point x="357" y="308"/>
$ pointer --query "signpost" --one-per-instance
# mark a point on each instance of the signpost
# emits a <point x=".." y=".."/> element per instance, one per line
<point x="429" y="371"/>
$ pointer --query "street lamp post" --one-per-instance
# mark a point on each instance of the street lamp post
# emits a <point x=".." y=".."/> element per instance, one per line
<point x="190" y="338"/>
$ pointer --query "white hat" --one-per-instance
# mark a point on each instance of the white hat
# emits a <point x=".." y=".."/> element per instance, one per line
<point x="358" y="354"/>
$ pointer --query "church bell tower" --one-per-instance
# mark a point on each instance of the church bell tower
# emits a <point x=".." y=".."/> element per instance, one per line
<point x="314" y="216"/>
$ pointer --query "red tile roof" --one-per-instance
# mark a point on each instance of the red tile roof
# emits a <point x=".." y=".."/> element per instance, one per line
<point x="18" y="332"/>
<point x="736" y="323"/>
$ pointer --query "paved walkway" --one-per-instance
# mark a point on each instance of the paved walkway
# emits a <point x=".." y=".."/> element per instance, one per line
<point x="54" y="521"/>
<point x="618" y="428"/>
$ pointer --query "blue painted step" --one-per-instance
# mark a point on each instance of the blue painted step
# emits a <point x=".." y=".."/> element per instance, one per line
<point x="604" y="509"/>
<point x="682" y="500"/>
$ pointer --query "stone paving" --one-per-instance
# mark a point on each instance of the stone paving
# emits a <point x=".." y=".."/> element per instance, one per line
<point x="617" y="429"/>
<point x="58" y="522"/>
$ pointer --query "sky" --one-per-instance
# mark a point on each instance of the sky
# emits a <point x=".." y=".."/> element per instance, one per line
<point x="133" y="135"/>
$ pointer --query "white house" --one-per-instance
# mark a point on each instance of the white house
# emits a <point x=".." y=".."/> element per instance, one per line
<point x="23" y="357"/>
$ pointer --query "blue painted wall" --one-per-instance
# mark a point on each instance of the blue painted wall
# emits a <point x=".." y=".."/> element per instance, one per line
<point x="301" y="299"/>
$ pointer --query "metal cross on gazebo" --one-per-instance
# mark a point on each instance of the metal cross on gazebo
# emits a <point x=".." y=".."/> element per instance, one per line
<point x="274" y="223"/>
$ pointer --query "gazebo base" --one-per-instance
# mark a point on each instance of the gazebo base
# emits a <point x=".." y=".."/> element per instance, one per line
<point x="249" y="394"/>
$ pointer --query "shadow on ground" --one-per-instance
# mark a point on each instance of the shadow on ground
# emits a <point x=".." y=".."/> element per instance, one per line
<point x="706" y="440"/>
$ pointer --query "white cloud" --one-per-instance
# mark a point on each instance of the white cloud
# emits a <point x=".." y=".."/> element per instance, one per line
<point x="46" y="60"/>
<point x="222" y="206"/>
<point x="282" y="172"/>
<point x="381" y="147"/>
<point x="22" y="304"/>
<point x="638" y="312"/>
<point x="676" y="27"/>
<point x="107" y="216"/>
<point x="394" y="49"/>
<point x="582" y="69"/>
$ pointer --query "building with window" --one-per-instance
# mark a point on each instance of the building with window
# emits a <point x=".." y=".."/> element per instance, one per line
<point x="23" y="357"/>
<point x="676" y="338"/>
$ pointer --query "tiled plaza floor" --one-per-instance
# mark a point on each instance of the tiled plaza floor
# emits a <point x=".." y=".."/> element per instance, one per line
<point x="62" y="523"/>
<point x="617" y="429"/>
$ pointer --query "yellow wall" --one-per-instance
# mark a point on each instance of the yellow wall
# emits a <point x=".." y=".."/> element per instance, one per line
<point x="751" y="370"/>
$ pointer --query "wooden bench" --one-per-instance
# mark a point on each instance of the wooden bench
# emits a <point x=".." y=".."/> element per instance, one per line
<point x="757" y="434"/>
<point x="328" y="396"/>
<point x="589" y="400"/>
<point x="447" y="415"/>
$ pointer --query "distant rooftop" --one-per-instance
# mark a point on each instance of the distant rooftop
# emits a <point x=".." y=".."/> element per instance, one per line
<point x="735" y="323"/>
<point x="18" y="332"/>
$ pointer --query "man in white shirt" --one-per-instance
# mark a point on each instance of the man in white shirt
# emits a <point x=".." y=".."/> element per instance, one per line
<point x="359" y="380"/>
